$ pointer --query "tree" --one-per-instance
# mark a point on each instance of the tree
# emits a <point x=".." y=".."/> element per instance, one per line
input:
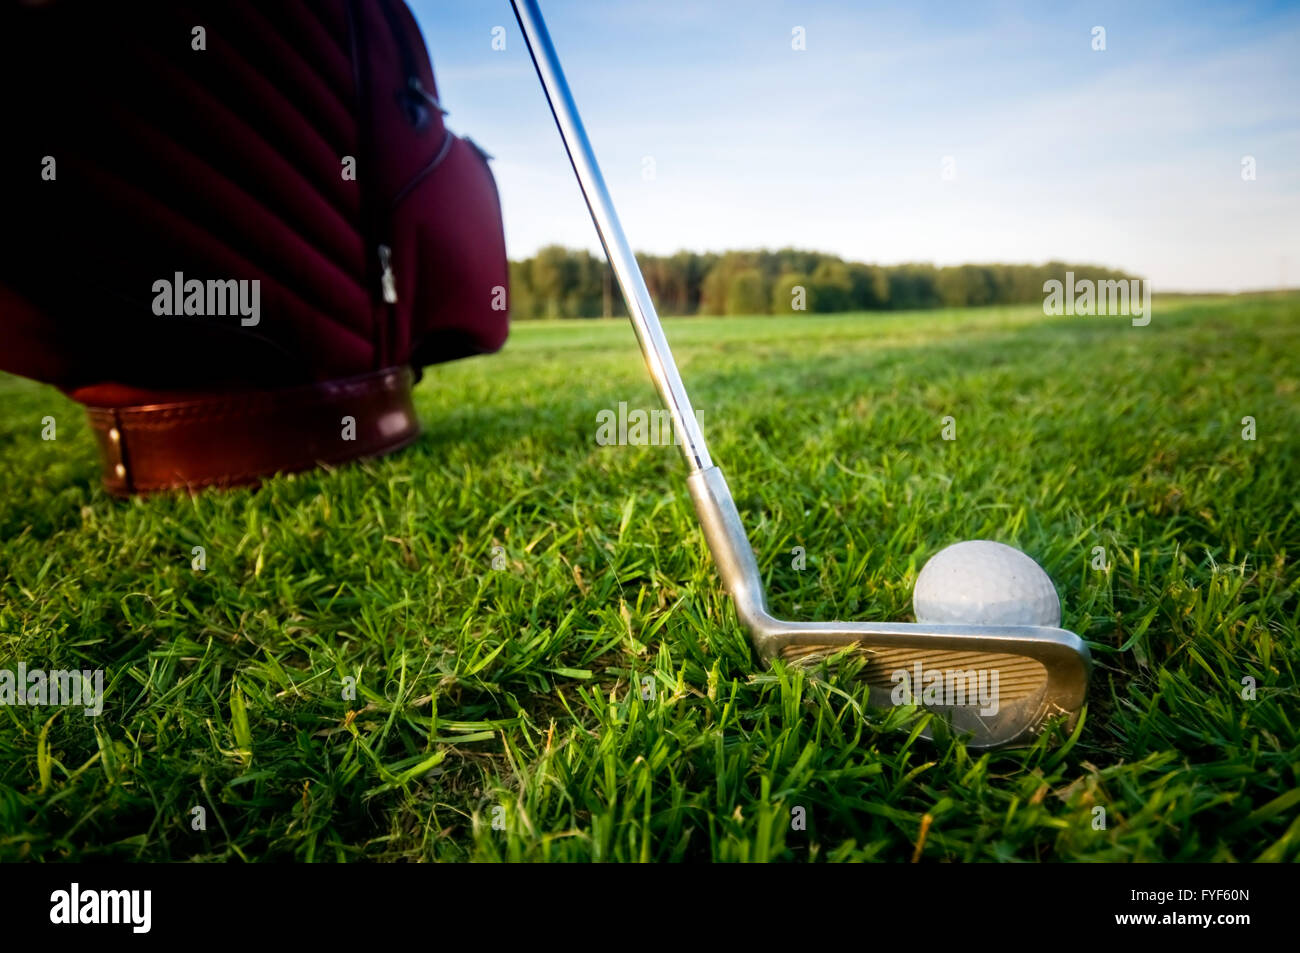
<point x="713" y="292"/>
<point x="523" y="305"/>
<point x="951" y="286"/>
<point x="748" y="293"/>
<point x="832" y="287"/>
<point x="912" y="286"/>
<point x="553" y="273"/>
<point x="870" y="287"/>
<point x="585" y="296"/>
<point x="790" y="293"/>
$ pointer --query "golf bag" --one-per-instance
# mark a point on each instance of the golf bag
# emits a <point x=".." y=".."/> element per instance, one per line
<point x="233" y="225"/>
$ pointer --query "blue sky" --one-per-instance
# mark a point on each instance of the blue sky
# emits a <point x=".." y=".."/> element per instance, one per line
<point x="1130" y="157"/>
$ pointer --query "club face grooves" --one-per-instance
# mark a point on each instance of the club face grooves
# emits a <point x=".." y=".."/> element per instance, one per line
<point x="1018" y="676"/>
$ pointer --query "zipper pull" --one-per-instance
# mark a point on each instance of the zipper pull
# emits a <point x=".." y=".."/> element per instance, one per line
<point x="387" y="282"/>
<point x="414" y="85"/>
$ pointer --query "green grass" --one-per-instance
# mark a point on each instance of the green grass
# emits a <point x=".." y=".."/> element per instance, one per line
<point x="516" y="694"/>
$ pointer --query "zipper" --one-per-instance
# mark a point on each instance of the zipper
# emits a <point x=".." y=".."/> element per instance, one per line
<point x="417" y="104"/>
<point x="387" y="280"/>
<point x="416" y="87"/>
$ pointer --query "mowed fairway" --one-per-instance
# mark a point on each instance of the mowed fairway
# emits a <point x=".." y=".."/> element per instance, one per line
<point x="595" y="699"/>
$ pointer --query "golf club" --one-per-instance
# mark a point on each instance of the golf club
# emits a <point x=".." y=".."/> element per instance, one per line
<point x="1041" y="672"/>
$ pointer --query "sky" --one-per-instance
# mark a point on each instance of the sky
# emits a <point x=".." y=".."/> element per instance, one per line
<point x="938" y="132"/>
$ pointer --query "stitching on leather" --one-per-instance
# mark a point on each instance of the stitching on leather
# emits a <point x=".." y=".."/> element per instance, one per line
<point x="297" y="466"/>
<point x="174" y="72"/>
<point x="194" y="160"/>
<point x="315" y="14"/>
<point x="263" y="86"/>
<point x="389" y="379"/>
<point x="288" y="41"/>
<point x="169" y="423"/>
<point x="132" y="195"/>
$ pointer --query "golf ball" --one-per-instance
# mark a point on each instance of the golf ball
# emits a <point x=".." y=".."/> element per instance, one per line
<point x="980" y="582"/>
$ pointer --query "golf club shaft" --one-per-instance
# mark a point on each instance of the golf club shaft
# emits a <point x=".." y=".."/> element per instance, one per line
<point x="649" y="332"/>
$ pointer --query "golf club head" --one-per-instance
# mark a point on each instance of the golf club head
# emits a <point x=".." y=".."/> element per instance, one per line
<point x="996" y="685"/>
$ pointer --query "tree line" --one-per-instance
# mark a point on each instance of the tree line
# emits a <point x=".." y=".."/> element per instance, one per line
<point x="561" y="282"/>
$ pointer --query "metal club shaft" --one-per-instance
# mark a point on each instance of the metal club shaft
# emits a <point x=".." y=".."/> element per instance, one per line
<point x="645" y="321"/>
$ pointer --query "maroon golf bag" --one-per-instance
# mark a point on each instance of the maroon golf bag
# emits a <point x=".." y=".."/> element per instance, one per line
<point x="237" y="230"/>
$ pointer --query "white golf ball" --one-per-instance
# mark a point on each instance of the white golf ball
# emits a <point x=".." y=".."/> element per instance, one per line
<point x="980" y="582"/>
